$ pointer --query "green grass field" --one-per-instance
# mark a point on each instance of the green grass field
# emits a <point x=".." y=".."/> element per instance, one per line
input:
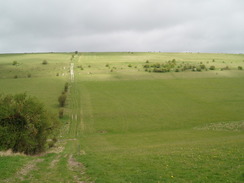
<point x="123" y="124"/>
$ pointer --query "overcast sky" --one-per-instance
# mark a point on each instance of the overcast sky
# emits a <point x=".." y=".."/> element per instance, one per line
<point x="122" y="25"/>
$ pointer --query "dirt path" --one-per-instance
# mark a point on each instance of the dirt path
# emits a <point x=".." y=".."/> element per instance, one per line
<point x="72" y="74"/>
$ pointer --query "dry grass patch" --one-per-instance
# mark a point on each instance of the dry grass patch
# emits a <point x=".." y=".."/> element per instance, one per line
<point x="58" y="147"/>
<point x="11" y="153"/>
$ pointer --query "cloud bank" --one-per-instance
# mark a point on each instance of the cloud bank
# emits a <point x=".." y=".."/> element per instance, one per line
<point x="128" y="25"/>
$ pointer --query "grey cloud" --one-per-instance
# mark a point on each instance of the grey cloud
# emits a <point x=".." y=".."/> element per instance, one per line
<point x="115" y="25"/>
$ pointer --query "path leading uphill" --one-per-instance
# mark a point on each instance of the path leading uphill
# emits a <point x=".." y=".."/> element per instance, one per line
<point x="60" y="164"/>
<point x="72" y="75"/>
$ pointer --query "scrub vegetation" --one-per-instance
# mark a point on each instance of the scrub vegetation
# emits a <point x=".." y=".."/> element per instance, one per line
<point x="25" y="125"/>
<point x="122" y="124"/>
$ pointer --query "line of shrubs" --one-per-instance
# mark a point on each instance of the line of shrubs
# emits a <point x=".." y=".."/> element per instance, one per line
<point x="171" y="65"/>
<point x="62" y="100"/>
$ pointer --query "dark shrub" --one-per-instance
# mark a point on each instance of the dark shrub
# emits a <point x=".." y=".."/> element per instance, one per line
<point x="199" y="69"/>
<point x="212" y="67"/>
<point x="25" y="125"/>
<point x="146" y="66"/>
<point x="66" y="87"/>
<point x="202" y="66"/>
<point x="15" y="62"/>
<point x="44" y="62"/>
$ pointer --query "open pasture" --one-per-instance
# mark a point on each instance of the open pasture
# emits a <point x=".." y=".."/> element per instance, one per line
<point x="31" y="76"/>
<point x="127" y="125"/>
<point x="154" y="130"/>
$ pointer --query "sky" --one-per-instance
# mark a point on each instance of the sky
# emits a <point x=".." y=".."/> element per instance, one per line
<point x="214" y="26"/>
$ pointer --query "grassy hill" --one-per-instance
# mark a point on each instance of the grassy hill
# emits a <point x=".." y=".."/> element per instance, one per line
<point x="125" y="124"/>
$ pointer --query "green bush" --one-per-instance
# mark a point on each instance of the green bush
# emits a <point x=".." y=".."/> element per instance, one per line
<point x="157" y="65"/>
<point x="66" y="87"/>
<point x="15" y="62"/>
<point x="239" y="67"/>
<point x="198" y="69"/>
<point x="44" y="62"/>
<point x="146" y="66"/>
<point x="25" y="125"/>
<point x="202" y="66"/>
<point x="212" y="67"/>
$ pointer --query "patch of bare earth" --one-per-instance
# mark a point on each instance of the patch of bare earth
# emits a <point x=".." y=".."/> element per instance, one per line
<point x="27" y="168"/>
<point x="54" y="162"/>
<point x="79" y="168"/>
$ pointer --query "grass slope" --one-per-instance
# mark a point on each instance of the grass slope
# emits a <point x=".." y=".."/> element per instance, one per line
<point x="149" y="131"/>
<point x="123" y="124"/>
